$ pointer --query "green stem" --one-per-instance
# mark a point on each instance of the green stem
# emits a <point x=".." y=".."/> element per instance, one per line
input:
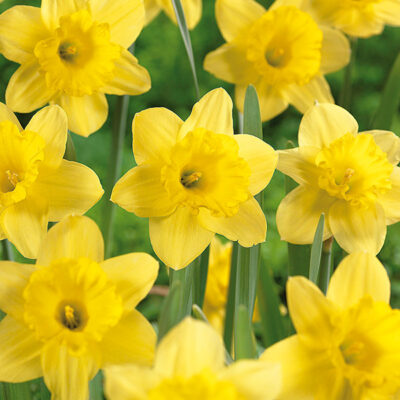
<point x="346" y="91"/>
<point x="200" y="277"/>
<point x="325" y="269"/>
<point x="8" y="253"/>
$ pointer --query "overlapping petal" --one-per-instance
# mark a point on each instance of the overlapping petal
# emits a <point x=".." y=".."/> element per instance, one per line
<point x="388" y="11"/>
<point x="53" y="10"/>
<point x="390" y="200"/>
<point x="388" y="142"/>
<point x="7" y="115"/>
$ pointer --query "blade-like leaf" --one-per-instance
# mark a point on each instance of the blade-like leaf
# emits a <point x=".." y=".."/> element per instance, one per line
<point x="316" y="249"/>
<point x="200" y="277"/>
<point x="245" y="344"/>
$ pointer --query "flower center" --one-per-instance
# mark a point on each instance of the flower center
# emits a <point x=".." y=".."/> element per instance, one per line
<point x="285" y="46"/>
<point x="355" y="169"/>
<point x="72" y="316"/>
<point x="79" y="57"/>
<point x="206" y="171"/>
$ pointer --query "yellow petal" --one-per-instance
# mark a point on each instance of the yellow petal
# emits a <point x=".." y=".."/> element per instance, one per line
<point x="53" y="10"/>
<point x="299" y="212"/>
<point x="388" y="11"/>
<point x="66" y="376"/>
<point x="262" y="160"/>
<point x="234" y="16"/>
<point x="254" y="379"/>
<point x="178" y="239"/>
<point x="191" y="9"/>
<point x="324" y="123"/>
<point x="335" y="52"/>
<point x="311" y="312"/>
<point x="21" y="27"/>
<point x="390" y="201"/>
<point x="304" y="97"/>
<point x="20" y="352"/>
<point x="356" y="228"/>
<point x="129" y="77"/>
<point x="230" y="64"/>
<point x="27" y="90"/>
<point x="140" y="191"/>
<point x="13" y="279"/>
<point x="73" y="237"/>
<point x="7" y="115"/>
<point x="188" y="349"/>
<point x="213" y="112"/>
<point x="125" y="17"/>
<point x="86" y="114"/>
<point x="155" y="131"/>
<point x="281" y="3"/>
<point x="133" y="274"/>
<point x="52" y="125"/>
<point x="248" y="226"/>
<point x="357" y="276"/>
<point x="388" y="142"/>
<point x="72" y="188"/>
<point x="132" y="340"/>
<point x="152" y="9"/>
<point x="25" y="224"/>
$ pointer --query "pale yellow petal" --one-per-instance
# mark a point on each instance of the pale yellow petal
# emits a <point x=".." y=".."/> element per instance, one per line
<point x="125" y="17"/>
<point x="358" y="229"/>
<point x="262" y="160"/>
<point x="20" y="352"/>
<point x="140" y="191"/>
<point x="359" y="275"/>
<point x="152" y="9"/>
<point x="72" y="188"/>
<point x="13" y="279"/>
<point x="155" y="131"/>
<point x="129" y="77"/>
<point x="388" y="11"/>
<point x="188" y="349"/>
<point x="52" y="125"/>
<point x="21" y="27"/>
<point x="7" y="115"/>
<point x="388" y="142"/>
<point x="305" y="96"/>
<point x="390" y="201"/>
<point x="191" y="8"/>
<point x="132" y="340"/>
<point x="86" y="114"/>
<point x="234" y="16"/>
<point x="229" y="63"/>
<point x="299" y="212"/>
<point x="179" y="238"/>
<point x="133" y="275"/>
<point x="335" y="51"/>
<point x="311" y="313"/>
<point x="254" y="379"/>
<point x="213" y="112"/>
<point x="324" y="123"/>
<point x="53" y="10"/>
<point x="73" y="237"/>
<point x="66" y="376"/>
<point x="27" y="89"/>
<point x="248" y="226"/>
<point x="25" y="225"/>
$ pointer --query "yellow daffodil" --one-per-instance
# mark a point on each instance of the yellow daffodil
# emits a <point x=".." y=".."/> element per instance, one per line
<point x="73" y="313"/>
<point x="359" y="18"/>
<point x="351" y="177"/>
<point x="282" y="52"/>
<point x="347" y="345"/>
<point x="189" y="364"/>
<point x="195" y="178"/>
<point x="71" y="53"/>
<point x="36" y="184"/>
<point x="191" y="8"/>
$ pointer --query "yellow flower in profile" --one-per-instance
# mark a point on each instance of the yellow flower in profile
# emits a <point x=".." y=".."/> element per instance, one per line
<point x="351" y="177"/>
<point x="360" y="18"/>
<point x="347" y="344"/>
<point x="73" y="313"/>
<point x="72" y="53"/>
<point x="189" y="365"/>
<point x="195" y="178"/>
<point x="36" y="184"/>
<point x="282" y="52"/>
<point x="191" y="8"/>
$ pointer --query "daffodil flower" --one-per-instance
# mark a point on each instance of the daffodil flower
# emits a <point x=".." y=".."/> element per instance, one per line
<point x="347" y="345"/>
<point x="283" y="52"/>
<point x="351" y="177"/>
<point x="195" y="178"/>
<point x="73" y="313"/>
<point x="189" y="364"/>
<point x="191" y="8"/>
<point x="71" y="53"/>
<point x="36" y="184"/>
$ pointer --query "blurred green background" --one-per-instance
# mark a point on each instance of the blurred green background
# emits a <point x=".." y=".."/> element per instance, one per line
<point x="159" y="48"/>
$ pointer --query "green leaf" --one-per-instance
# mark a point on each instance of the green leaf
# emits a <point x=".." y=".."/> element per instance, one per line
<point x="96" y="387"/>
<point x="16" y="391"/>
<point x="7" y="250"/>
<point x="252" y="124"/>
<point x="70" y="152"/>
<point x="245" y="344"/>
<point x="316" y="249"/>
<point x="200" y="277"/>
<point x="325" y="270"/>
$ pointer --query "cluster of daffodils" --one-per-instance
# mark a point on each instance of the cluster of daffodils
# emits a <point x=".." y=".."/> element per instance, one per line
<point x="71" y="313"/>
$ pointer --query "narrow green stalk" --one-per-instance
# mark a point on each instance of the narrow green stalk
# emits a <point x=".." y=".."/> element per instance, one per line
<point x="325" y="270"/>
<point x="245" y="343"/>
<point x="96" y="387"/>
<point x="200" y="277"/>
<point x="346" y="91"/>
<point x="8" y="252"/>
<point x="316" y="250"/>
<point x="70" y="152"/>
